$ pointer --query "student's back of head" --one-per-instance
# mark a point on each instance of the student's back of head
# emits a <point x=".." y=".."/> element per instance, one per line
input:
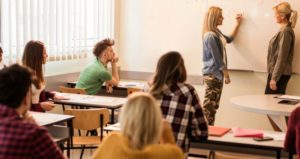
<point x="141" y="120"/>
<point x="15" y="82"/>
<point x="170" y="69"/>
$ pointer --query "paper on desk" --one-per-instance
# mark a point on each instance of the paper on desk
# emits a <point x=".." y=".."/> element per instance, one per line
<point x="241" y="132"/>
<point x="289" y="97"/>
<point x="276" y="136"/>
<point x="114" y="127"/>
<point x="131" y="84"/>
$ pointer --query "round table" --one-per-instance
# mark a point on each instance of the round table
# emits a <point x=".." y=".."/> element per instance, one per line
<point x="265" y="104"/>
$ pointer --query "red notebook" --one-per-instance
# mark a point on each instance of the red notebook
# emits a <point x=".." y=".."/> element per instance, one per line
<point x="217" y="131"/>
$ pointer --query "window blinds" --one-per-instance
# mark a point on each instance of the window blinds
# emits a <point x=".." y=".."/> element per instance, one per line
<point x="68" y="28"/>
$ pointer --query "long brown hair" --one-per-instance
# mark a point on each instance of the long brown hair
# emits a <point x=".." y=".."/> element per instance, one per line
<point x="170" y="70"/>
<point x="33" y="58"/>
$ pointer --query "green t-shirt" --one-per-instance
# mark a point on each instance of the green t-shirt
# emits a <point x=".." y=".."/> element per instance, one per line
<point x="92" y="77"/>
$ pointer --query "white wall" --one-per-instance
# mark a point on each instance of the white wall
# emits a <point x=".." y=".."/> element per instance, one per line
<point x="65" y="67"/>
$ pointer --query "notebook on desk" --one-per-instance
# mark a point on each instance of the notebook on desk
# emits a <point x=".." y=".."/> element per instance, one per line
<point x="241" y="132"/>
<point x="217" y="131"/>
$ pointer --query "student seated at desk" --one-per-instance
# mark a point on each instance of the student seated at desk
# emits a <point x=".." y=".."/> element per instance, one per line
<point x="34" y="57"/>
<point x="292" y="138"/>
<point x="96" y="72"/>
<point x="141" y="129"/>
<point x="20" y="136"/>
<point x="178" y="100"/>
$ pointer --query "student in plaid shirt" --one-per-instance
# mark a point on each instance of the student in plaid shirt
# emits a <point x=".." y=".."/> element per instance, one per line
<point x="179" y="101"/>
<point x="20" y="137"/>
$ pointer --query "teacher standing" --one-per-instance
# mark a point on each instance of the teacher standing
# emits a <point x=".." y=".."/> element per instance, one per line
<point x="281" y="50"/>
<point x="215" y="60"/>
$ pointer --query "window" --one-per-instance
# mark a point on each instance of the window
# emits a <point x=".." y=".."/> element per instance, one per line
<point x="68" y="28"/>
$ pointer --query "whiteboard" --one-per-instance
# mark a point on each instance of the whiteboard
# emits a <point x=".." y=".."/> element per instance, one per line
<point x="249" y="49"/>
<point x="149" y="28"/>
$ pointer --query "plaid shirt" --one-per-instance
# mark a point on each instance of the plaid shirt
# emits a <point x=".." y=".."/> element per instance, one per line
<point x="181" y="107"/>
<point x="24" y="140"/>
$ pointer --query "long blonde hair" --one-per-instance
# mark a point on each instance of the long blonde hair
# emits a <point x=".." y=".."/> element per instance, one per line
<point x="285" y="9"/>
<point x="141" y="120"/>
<point x="211" y="19"/>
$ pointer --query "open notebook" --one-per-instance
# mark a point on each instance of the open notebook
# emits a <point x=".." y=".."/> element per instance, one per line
<point x="217" y="131"/>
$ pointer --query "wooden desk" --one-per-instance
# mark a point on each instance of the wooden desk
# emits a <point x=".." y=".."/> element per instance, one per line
<point x="48" y="119"/>
<point x="118" y="91"/>
<point x="58" y="134"/>
<point x="230" y="143"/>
<point x="93" y="101"/>
<point x="265" y="104"/>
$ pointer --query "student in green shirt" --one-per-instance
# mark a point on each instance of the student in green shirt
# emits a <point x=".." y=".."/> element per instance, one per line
<point x="95" y="73"/>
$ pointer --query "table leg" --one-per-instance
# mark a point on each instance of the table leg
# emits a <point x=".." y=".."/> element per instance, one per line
<point x="280" y="121"/>
<point x="112" y="118"/>
<point x="278" y="154"/>
<point x="71" y="134"/>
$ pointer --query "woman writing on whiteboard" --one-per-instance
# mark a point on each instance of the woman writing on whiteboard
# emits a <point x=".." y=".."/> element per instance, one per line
<point x="215" y="60"/>
<point x="280" y="52"/>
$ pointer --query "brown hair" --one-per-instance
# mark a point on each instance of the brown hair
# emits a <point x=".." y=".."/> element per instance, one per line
<point x="101" y="46"/>
<point x="170" y="70"/>
<point x="1" y="51"/>
<point x="15" y="82"/>
<point x="33" y="58"/>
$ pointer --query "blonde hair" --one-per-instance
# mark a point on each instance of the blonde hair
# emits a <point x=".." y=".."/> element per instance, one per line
<point x="211" y="19"/>
<point x="285" y="9"/>
<point x="141" y="120"/>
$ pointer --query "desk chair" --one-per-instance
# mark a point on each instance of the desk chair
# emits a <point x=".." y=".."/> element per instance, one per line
<point x="64" y="89"/>
<point x="221" y="155"/>
<point x="88" y="120"/>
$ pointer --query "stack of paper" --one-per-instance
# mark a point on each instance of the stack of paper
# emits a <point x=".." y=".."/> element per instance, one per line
<point x="289" y="97"/>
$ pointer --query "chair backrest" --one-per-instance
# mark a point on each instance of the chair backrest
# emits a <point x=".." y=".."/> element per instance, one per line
<point x="131" y="90"/>
<point x="88" y="119"/>
<point x="222" y="155"/>
<point x="64" y="89"/>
